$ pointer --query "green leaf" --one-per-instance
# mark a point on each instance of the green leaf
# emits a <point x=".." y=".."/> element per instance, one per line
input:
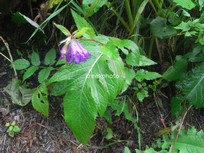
<point x="187" y="4"/>
<point x="19" y="94"/>
<point x="109" y="134"/>
<point x="21" y="64"/>
<point x="29" y="72"/>
<point x="91" y="85"/>
<point x="81" y="23"/>
<point x="138" y="60"/>
<point x="176" y="106"/>
<point x="192" y="86"/>
<point x="44" y="74"/>
<point x="50" y="57"/>
<point x="126" y="150"/>
<point x="92" y="6"/>
<point x="160" y="29"/>
<point x="33" y="23"/>
<point x="40" y="100"/>
<point x="16" y="129"/>
<point x="35" y="59"/>
<point x="130" y="75"/>
<point x="187" y="142"/>
<point x="177" y="71"/>
<point x="81" y="32"/>
<point x="64" y="30"/>
<point x="146" y="75"/>
<point x="46" y="21"/>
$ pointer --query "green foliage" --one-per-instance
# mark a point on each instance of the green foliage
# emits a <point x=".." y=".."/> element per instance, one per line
<point x="177" y="70"/>
<point x="21" y="64"/>
<point x="40" y="99"/>
<point x="50" y="57"/>
<point x="20" y="95"/>
<point x="160" y="29"/>
<point x="188" y="141"/>
<point x="187" y="4"/>
<point x="92" y="6"/>
<point x="81" y="23"/>
<point x="12" y="128"/>
<point x="192" y="86"/>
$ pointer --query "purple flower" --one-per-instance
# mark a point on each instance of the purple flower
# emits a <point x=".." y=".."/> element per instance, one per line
<point x="74" y="52"/>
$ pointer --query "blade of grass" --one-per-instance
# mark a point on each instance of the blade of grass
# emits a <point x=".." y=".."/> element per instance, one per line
<point x="55" y="13"/>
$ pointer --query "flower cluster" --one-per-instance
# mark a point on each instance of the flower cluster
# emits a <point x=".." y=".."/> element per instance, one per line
<point x="74" y="51"/>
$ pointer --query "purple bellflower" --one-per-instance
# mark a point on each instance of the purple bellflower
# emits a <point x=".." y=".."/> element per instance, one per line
<point x="74" y="51"/>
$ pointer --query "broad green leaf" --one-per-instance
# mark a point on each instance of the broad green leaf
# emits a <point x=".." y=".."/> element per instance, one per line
<point x="138" y="60"/>
<point x="187" y="4"/>
<point x="81" y="23"/>
<point x="59" y="88"/>
<point x="50" y="57"/>
<point x="190" y="141"/>
<point x="177" y="71"/>
<point x="21" y="64"/>
<point x="62" y="29"/>
<point x="29" y="72"/>
<point x="35" y="59"/>
<point x="146" y="75"/>
<point x="40" y="99"/>
<point x="90" y="86"/>
<point x="44" y="74"/>
<point x="19" y="94"/>
<point x="160" y="29"/>
<point x="192" y="86"/>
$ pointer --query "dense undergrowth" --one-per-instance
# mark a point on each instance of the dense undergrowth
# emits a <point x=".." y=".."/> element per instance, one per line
<point x="107" y="56"/>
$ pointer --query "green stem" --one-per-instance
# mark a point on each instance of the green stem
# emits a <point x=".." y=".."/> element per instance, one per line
<point x="129" y="13"/>
<point x="137" y="17"/>
<point x="120" y="18"/>
<point x="150" y="47"/>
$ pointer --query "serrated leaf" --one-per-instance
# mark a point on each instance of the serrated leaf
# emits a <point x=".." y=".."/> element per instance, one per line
<point x="50" y="57"/>
<point x="81" y="23"/>
<point x="64" y="30"/>
<point x="21" y="64"/>
<point x="90" y="86"/>
<point x="188" y="4"/>
<point x="138" y="60"/>
<point x="44" y="74"/>
<point x="29" y="72"/>
<point x="146" y="75"/>
<point x="192" y="86"/>
<point x="187" y="142"/>
<point x="40" y="100"/>
<point x="35" y="59"/>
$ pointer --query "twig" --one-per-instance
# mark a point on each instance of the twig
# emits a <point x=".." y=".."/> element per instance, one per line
<point x="179" y="131"/>
<point x="11" y="58"/>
